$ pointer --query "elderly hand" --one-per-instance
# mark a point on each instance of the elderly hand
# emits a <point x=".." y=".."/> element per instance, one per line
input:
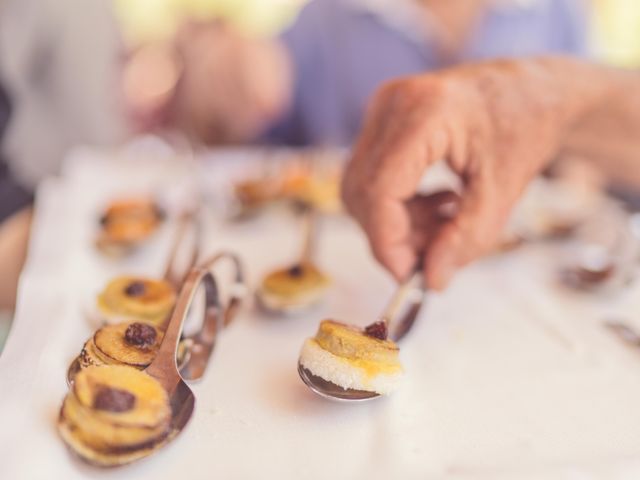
<point x="497" y="124"/>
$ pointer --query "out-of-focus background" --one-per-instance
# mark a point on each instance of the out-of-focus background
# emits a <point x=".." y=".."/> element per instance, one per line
<point x="149" y="20"/>
<point x="239" y="72"/>
<point x="615" y="24"/>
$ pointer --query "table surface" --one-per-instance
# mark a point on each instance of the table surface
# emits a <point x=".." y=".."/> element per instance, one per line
<point x="507" y="375"/>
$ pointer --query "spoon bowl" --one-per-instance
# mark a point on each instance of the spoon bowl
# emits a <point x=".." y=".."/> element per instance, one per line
<point x="331" y="391"/>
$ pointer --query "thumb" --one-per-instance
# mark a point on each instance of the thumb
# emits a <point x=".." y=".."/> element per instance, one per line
<point x="472" y="233"/>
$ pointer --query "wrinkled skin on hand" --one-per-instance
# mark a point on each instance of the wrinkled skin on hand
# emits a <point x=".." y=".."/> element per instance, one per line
<point x="497" y="124"/>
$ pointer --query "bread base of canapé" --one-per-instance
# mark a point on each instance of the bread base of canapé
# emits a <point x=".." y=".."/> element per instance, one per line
<point x="153" y="302"/>
<point x="103" y="458"/>
<point x="350" y="373"/>
<point x="294" y="289"/>
<point x="292" y="304"/>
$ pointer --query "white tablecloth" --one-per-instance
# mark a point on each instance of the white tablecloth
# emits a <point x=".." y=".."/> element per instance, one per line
<point x="508" y="376"/>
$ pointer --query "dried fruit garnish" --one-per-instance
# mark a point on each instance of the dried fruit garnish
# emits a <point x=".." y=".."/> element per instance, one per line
<point x="113" y="400"/>
<point x="140" y="335"/>
<point x="296" y="271"/>
<point x="135" y="289"/>
<point x="159" y="212"/>
<point x="377" y="330"/>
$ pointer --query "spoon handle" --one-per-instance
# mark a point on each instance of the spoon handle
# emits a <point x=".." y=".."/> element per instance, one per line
<point x="186" y="220"/>
<point x="310" y="231"/>
<point x="164" y="366"/>
<point x="203" y="342"/>
<point x="408" y="298"/>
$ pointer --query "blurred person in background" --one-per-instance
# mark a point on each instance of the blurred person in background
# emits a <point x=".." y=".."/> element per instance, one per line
<point x="311" y="86"/>
<point x="59" y="80"/>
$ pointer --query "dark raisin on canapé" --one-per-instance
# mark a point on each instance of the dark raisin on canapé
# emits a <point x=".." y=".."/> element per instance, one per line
<point x="377" y="330"/>
<point x="104" y="219"/>
<point x="140" y="335"/>
<point x="160" y="213"/>
<point x="135" y="289"/>
<point x="296" y="271"/>
<point x="113" y="400"/>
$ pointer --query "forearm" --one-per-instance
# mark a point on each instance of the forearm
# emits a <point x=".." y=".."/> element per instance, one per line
<point x="608" y="134"/>
<point x="600" y="111"/>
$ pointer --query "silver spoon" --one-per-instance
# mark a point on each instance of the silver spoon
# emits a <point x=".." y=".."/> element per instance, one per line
<point x="194" y="352"/>
<point x="172" y="274"/>
<point x="199" y="347"/>
<point x="164" y="368"/>
<point x="309" y="243"/>
<point x="411" y="295"/>
<point x="196" y="349"/>
<point x="175" y="278"/>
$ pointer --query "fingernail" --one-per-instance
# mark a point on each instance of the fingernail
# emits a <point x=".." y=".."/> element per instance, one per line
<point x="403" y="262"/>
<point x="443" y="273"/>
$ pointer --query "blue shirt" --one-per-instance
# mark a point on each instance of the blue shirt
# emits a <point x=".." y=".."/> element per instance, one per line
<point x="342" y="53"/>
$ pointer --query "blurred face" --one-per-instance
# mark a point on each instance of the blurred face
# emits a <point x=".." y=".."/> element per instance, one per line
<point x="453" y="20"/>
<point x="211" y="83"/>
<point x="232" y="86"/>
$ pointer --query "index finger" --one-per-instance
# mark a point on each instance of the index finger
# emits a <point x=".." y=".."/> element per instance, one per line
<point x="386" y="169"/>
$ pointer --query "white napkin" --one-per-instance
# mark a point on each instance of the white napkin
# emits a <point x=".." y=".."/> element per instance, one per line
<point x="508" y="376"/>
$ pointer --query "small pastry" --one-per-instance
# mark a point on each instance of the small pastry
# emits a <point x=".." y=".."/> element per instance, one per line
<point x="322" y="192"/>
<point x="114" y="415"/>
<point x="134" y="344"/>
<point x="353" y="358"/>
<point x="294" y="288"/>
<point x="131" y="343"/>
<point x="256" y="193"/>
<point x="127" y="223"/>
<point x="136" y="298"/>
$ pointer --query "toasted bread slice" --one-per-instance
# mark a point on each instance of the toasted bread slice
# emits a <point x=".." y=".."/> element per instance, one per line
<point x="111" y="342"/>
<point x="137" y="298"/>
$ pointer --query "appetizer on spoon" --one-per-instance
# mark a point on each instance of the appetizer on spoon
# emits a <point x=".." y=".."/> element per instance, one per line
<point x="116" y="414"/>
<point x="298" y="286"/>
<point x="346" y="363"/>
<point x="149" y="300"/>
<point x="309" y="180"/>
<point x="128" y="223"/>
